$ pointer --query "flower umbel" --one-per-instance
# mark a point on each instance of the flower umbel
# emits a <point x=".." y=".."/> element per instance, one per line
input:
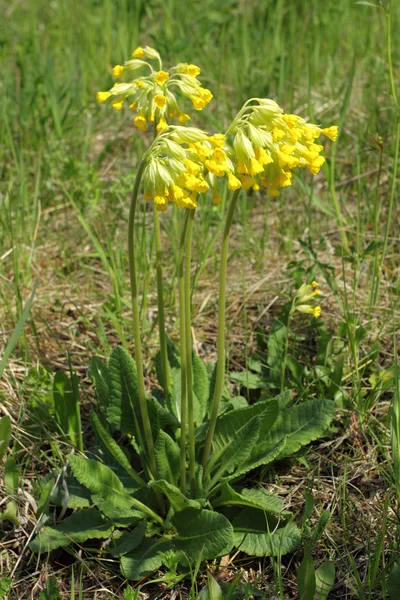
<point x="152" y="94"/>
<point x="269" y="144"/>
<point x="306" y="294"/>
<point x="176" y="168"/>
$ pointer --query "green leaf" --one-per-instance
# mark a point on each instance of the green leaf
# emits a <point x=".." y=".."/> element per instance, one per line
<point x="160" y="417"/>
<point x="69" y="492"/>
<point x="113" y="448"/>
<point x="262" y="454"/>
<point x="325" y="578"/>
<point x="123" y="406"/>
<point x="201" y="386"/>
<point x="306" y="578"/>
<point x="301" y="424"/>
<point x="145" y="559"/>
<point x="257" y="534"/>
<point x="5" y="434"/>
<point x="128" y="541"/>
<point x="253" y="498"/>
<point x="177" y="500"/>
<point x="51" y="591"/>
<point x="229" y="423"/>
<point x="82" y="525"/>
<point x="276" y="346"/>
<point x="252" y="381"/>
<point x="202" y="534"/>
<point x="11" y="476"/>
<point x="237" y="450"/>
<point x="98" y="373"/>
<point x="167" y="455"/>
<point x="67" y="406"/>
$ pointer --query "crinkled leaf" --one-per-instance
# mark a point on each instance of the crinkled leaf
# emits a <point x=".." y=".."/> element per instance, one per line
<point x="160" y="417"/>
<point x="98" y="373"/>
<point x="69" y="492"/>
<point x="67" y="406"/>
<point x="123" y="405"/>
<point x="257" y="534"/>
<point x="145" y="559"/>
<point x="237" y="450"/>
<point x="301" y="424"/>
<point x="128" y="540"/>
<point x="201" y="386"/>
<point x="167" y="455"/>
<point x="262" y="454"/>
<point x="113" y="448"/>
<point x="177" y="500"/>
<point x="121" y="516"/>
<point x="252" y="498"/>
<point x="82" y="525"/>
<point x="229" y="423"/>
<point x="202" y="534"/>
<point x="50" y="591"/>
<point x="252" y="381"/>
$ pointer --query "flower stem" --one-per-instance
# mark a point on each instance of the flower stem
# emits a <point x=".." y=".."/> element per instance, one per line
<point x="135" y="313"/>
<point x="188" y="343"/>
<point x="220" y="374"/>
<point x="286" y="347"/>
<point x="160" y="303"/>
<point x="182" y="309"/>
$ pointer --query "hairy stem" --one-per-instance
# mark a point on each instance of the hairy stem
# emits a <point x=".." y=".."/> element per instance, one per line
<point x="220" y="374"/>
<point x="182" y="328"/>
<point x="188" y="343"/>
<point x="136" y="329"/>
<point x="160" y="303"/>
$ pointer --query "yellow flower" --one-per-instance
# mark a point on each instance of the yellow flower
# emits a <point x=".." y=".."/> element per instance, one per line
<point x="161" y="203"/>
<point x="140" y="122"/>
<point x="217" y="199"/>
<point x="193" y="70"/>
<point x="205" y="94"/>
<point x="133" y="106"/>
<point x="161" y="77"/>
<point x="118" y="71"/>
<point x="198" y="103"/>
<point x="183" y="117"/>
<point x="219" y="155"/>
<point x="273" y="191"/>
<point x="162" y="125"/>
<point x="233" y="182"/>
<point x="331" y="132"/>
<point x="138" y="53"/>
<point x="139" y="83"/>
<point x="217" y="140"/>
<point x="117" y="103"/>
<point x="192" y="167"/>
<point x="103" y="96"/>
<point x="160" y="100"/>
<point x="217" y="169"/>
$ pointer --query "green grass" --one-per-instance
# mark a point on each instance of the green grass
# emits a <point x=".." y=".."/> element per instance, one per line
<point x="67" y="166"/>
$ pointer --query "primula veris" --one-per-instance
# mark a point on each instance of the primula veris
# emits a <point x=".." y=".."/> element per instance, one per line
<point x="176" y="170"/>
<point x="306" y="294"/>
<point x="269" y="144"/>
<point x="152" y="93"/>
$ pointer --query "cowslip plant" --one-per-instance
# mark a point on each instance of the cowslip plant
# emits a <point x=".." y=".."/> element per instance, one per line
<point x="172" y="485"/>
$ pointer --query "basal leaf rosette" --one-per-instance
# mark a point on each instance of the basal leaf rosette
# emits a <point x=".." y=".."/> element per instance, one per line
<point x="182" y="163"/>
<point x="269" y="144"/>
<point x="152" y="95"/>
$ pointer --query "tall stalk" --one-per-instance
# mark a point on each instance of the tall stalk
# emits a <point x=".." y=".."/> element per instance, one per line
<point x="136" y="330"/>
<point x="182" y="309"/>
<point x="220" y="373"/>
<point x="160" y="302"/>
<point x="160" y="291"/>
<point x="188" y="343"/>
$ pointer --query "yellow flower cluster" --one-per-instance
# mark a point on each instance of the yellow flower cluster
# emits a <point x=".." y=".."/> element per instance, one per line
<point x="269" y="144"/>
<point x="151" y="96"/>
<point x="176" y="167"/>
<point x="305" y="294"/>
